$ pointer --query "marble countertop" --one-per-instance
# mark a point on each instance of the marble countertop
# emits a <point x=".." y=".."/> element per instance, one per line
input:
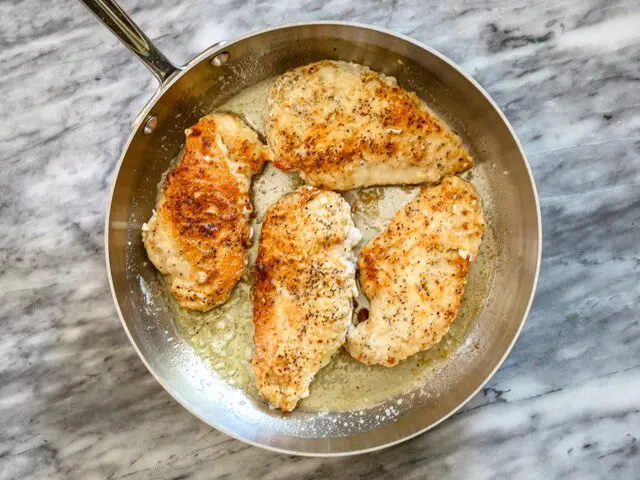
<point x="75" y="400"/>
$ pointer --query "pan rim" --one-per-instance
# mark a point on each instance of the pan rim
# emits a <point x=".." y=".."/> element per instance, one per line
<point x="219" y="47"/>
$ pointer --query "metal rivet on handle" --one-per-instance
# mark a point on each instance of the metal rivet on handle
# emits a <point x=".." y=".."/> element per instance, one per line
<point x="220" y="59"/>
<point x="150" y="124"/>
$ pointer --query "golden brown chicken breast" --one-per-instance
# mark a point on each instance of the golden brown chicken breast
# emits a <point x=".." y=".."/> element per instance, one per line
<point x="344" y="126"/>
<point x="199" y="233"/>
<point x="414" y="273"/>
<point x="302" y="299"/>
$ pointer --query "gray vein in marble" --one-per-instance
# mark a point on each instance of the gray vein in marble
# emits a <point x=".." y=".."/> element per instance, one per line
<point x="76" y="402"/>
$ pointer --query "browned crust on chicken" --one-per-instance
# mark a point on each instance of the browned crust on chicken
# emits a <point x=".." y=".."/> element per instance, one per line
<point x="414" y="273"/>
<point x="199" y="235"/>
<point x="302" y="298"/>
<point x="344" y="126"/>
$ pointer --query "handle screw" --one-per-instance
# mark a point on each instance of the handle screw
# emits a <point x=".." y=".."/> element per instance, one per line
<point x="150" y="124"/>
<point x="220" y="59"/>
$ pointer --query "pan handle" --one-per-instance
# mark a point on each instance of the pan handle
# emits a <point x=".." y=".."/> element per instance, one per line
<point x="116" y="20"/>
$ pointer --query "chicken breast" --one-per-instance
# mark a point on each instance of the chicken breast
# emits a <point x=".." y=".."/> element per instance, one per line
<point x="305" y="285"/>
<point x="199" y="233"/>
<point x="414" y="273"/>
<point x="344" y="126"/>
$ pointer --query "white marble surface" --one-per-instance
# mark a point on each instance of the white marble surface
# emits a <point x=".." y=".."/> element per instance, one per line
<point x="76" y="402"/>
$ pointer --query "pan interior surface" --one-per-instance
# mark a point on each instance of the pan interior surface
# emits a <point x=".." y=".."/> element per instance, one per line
<point x="499" y="289"/>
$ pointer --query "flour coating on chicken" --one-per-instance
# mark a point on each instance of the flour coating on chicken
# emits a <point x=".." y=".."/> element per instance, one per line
<point x="414" y="273"/>
<point x="305" y="286"/>
<point x="345" y="126"/>
<point x="199" y="233"/>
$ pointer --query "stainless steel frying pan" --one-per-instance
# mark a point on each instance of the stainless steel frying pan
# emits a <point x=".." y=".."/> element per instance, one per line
<point x="214" y="76"/>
